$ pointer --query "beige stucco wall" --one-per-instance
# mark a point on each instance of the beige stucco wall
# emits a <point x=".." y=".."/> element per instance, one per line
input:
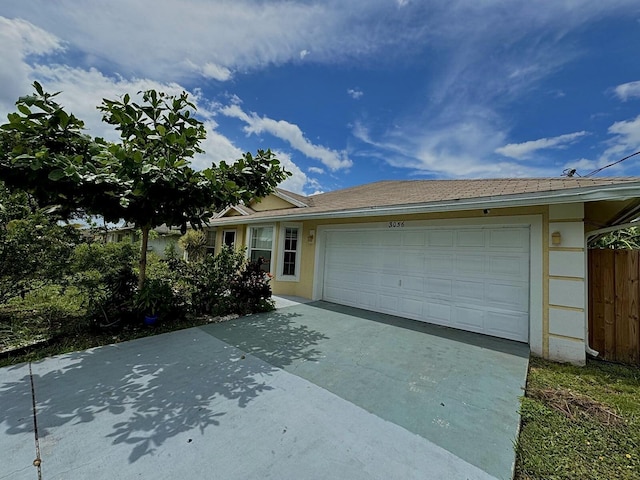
<point x="566" y="284"/>
<point x="561" y="298"/>
<point x="270" y="202"/>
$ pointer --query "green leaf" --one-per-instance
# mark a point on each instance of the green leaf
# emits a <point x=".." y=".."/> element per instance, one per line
<point x="24" y="109"/>
<point x="56" y="175"/>
<point x="38" y="88"/>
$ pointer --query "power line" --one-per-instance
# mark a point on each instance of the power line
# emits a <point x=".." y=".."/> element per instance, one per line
<point x="612" y="164"/>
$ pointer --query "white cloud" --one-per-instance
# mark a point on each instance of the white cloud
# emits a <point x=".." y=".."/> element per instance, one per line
<point x="582" y="165"/>
<point x="83" y="90"/>
<point x="317" y="170"/>
<point x="217" y="72"/>
<point x="163" y="40"/>
<point x="19" y="40"/>
<point x="628" y="91"/>
<point x="524" y="150"/>
<point x="625" y="140"/>
<point x="217" y="147"/>
<point x="298" y="180"/>
<point x="333" y="159"/>
<point x="355" y="93"/>
<point x="463" y="150"/>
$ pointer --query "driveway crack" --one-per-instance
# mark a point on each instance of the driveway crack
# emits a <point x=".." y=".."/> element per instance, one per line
<point x="37" y="462"/>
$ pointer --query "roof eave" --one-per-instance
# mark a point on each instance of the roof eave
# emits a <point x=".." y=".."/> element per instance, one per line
<point x="600" y="193"/>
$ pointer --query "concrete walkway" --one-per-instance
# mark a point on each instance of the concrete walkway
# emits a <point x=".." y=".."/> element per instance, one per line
<point x="310" y="391"/>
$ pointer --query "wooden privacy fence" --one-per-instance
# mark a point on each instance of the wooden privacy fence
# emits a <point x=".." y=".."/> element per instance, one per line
<point x="614" y="294"/>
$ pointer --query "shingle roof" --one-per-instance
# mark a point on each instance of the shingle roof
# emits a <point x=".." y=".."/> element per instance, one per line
<point x="391" y="193"/>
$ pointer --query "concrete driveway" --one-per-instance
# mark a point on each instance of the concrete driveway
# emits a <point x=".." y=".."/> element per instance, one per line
<point x="307" y="392"/>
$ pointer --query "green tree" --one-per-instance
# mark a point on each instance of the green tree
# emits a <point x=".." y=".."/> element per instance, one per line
<point x="145" y="179"/>
<point x="625" y="239"/>
<point x="34" y="248"/>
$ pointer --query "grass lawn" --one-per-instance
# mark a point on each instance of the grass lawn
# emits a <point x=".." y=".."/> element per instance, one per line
<point x="577" y="422"/>
<point x="580" y="422"/>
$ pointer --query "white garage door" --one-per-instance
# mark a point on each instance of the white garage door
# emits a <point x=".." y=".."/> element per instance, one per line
<point x="474" y="279"/>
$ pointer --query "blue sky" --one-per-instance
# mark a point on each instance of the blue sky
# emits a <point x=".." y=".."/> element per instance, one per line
<point x="353" y="92"/>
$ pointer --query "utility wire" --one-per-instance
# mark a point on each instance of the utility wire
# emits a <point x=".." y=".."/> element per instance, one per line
<point x="612" y="164"/>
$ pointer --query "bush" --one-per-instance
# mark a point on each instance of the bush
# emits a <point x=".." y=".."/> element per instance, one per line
<point x="105" y="273"/>
<point x="51" y="311"/>
<point x="34" y="252"/>
<point x="204" y="285"/>
<point x="194" y="242"/>
<point x="155" y="298"/>
<point x="250" y="291"/>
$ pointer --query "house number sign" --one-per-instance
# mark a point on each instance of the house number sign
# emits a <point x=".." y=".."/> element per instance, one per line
<point x="399" y="224"/>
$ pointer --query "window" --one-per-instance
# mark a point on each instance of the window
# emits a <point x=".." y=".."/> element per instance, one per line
<point x="211" y="242"/>
<point x="289" y="257"/>
<point x="261" y="246"/>
<point x="229" y="238"/>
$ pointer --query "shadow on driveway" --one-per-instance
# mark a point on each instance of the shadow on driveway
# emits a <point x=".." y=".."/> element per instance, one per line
<point x="143" y="392"/>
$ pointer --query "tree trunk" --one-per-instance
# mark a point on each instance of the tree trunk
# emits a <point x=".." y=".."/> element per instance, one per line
<point x="143" y="256"/>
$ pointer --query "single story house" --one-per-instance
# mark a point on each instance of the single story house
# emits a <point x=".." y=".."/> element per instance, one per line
<point x="159" y="240"/>
<point x="501" y="257"/>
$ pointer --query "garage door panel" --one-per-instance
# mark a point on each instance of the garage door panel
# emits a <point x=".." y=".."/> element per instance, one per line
<point x="470" y="238"/>
<point x="411" y="262"/>
<point x="509" y="266"/>
<point x="467" y="290"/>
<point x="513" y="297"/>
<point x="390" y="281"/>
<point x="440" y="238"/>
<point x="439" y="262"/>
<point x="411" y="307"/>
<point x="390" y="260"/>
<point x="510" y="239"/>
<point x="470" y="265"/>
<point x="413" y="239"/>
<point x="468" y="318"/>
<point x="438" y="313"/>
<point x="473" y="278"/>
<point x="413" y="285"/>
<point x="442" y="287"/>
<point x="507" y="325"/>
<point x="391" y="238"/>
<point x="388" y="303"/>
<point x="368" y="300"/>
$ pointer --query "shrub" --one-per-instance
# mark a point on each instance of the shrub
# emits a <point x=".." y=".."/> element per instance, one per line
<point x="194" y="242"/>
<point x="42" y="314"/>
<point x="34" y="252"/>
<point x="105" y="273"/>
<point x="250" y="291"/>
<point x="205" y="285"/>
<point x="155" y="297"/>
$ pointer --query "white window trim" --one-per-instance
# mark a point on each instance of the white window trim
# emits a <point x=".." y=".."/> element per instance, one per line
<point x="211" y="231"/>
<point x="273" y="242"/>
<point x="281" y="242"/>
<point x="235" y="237"/>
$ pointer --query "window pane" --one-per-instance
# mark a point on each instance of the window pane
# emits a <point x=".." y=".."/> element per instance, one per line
<point x="229" y="238"/>
<point x="290" y="251"/>
<point x="211" y="238"/>
<point x="289" y="263"/>
<point x="261" y="238"/>
<point x="263" y="257"/>
<point x="291" y="239"/>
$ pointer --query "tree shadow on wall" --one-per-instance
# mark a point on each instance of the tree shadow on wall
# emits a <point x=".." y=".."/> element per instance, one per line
<point x="154" y="388"/>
